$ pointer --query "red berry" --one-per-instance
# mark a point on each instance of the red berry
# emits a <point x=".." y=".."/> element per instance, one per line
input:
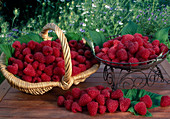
<point x="73" y="43"/>
<point x="67" y="104"/>
<point x="74" y="54"/>
<point x="38" y="56"/>
<point x="111" y="105"/>
<point x="165" y="101"/>
<point x="155" y="42"/>
<point x="133" y="60"/>
<point x="46" y="43"/>
<point x="140" y="108"/>
<point x="36" y="80"/>
<point x="92" y="108"/>
<point x="124" y="104"/>
<point x="122" y="54"/>
<point x="45" y="77"/>
<point x="102" y="109"/>
<point x="13" y="68"/>
<point x="117" y="94"/>
<point x="76" y="92"/>
<point x="56" y="52"/>
<point x="84" y="99"/>
<point x="49" y="70"/>
<point x="27" y="78"/>
<point x="47" y="50"/>
<point x="19" y="63"/>
<point x="56" y="78"/>
<point x="147" y="100"/>
<point x="106" y="44"/>
<point x="76" y="107"/>
<point x="49" y="59"/>
<point x="60" y="101"/>
<point x="80" y="59"/>
<point x="31" y="44"/>
<point x="16" y="44"/>
<point x="29" y="70"/>
<point x="75" y="70"/>
<point x="93" y="93"/>
<point x="106" y="93"/>
<point x="26" y="51"/>
<point x="100" y="99"/>
<point x="29" y="58"/>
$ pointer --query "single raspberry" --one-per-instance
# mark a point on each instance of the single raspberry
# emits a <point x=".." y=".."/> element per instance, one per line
<point x="49" y="59"/>
<point x="80" y="52"/>
<point x="13" y="68"/>
<point x="153" y="56"/>
<point x="92" y="108"/>
<point x="27" y="78"/>
<point x="165" y="101"/>
<point x="67" y="93"/>
<point x="16" y="44"/>
<point x="152" y="51"/>
<point x="115" y="61"/>
<point x="155" y="42"/>
<point x="164" y="49"/>
<point x="19" y="63"/>
<point x="54" y="44"/>
<point x="88" y="54"/>
<point x="56" y="78"/>
<point x="58" y="59"/>
<point x="74" y="54"/>
<point x="122" y="55"/>
<point x="67" y="104"/>
<point x="137" y="35"/>
<point x="133" y="47"/>
<point x="100" y="54"/>
<point x="31" y="44"/>
<point x="106" y="44"/>
<point x="147" y="45"/>
<point x="117" y="94"/>
<point x="88" y="64"/>
<point x="111" y="42"/>
<point x="38" y="56"/>
<point x="105" y="50"/>
<point x="100" y="87"/>
<point x="61" y="64"/>
<point x="59" y="71"/>
<point x="112" y="53"/>
<point x="26" y="51"/>
<point x="100" y="99"/>
<point x="38" y="73"/>
<point x="29" y="58"/>
<point x="23" y="46"/>
<point x="29" y="70"/>
<point x="49" y="70"/>
<point x="115" y="43"/>
<point x="73" y="43"/>
<point x="124" y="104"/>
<point x="20" y="57"/>
<point x="80" y="46"/>
<point x="56" y="52"/>
<point x="102" y="109"/>
<point x="139" y="40"/>
<point x="11" y="60"/>
<point x="17" y="53"/>
<point x="144" y="53"/>
<point x="76" y="107"/>
<point x="146" y="38"/>
<point x="157" y="50"/>
<point x="126" y="38"/>
<point x="133" y="60"/>
<point x="120" y="46"/>
<point x="45" y="77"/>
<point x="46" y="43"/>
<point x="147" y="100"/>
<point x="140" y="108"/>
<point x="107" y="88"/>
<point x="106" y="93"/>
<point x="82" y="67"/>
<point x="97" y="49"/>
<point x="60" y="101"/>
<point x="76" y="92"/>
<point x="25" y="64"/>
<point x="36" y="80"/>
<point x="84" y="99"/>
<point x="75" y="70"/>
<point x="35" y="64"/>
<point x="112" y="105"/>
<point x="73" y="49"/>
<point x="41" y="66"/>
<point x="105" y="57"/>
<point x="69" y="97"/>
<point x="80" y="59"/>
<point x="38" y="48"/>
<point x="47" y="50"/>
<point x="74" y="62"/>
<point x="93" y="93"/>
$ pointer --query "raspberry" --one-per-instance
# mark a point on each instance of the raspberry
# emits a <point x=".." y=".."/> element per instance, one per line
<point x="118" y="38"/>
<point x="69" y="97"/>
<point x="13" y="68"/>
<point x="75" y="70"/>
<point x="120" y="46"/>
<point x="74" y="62"/>
<point x="157" y="50"/>
<point x="11" y="60"/>
<point x="54" y="44"/>
<point x="88" y="54"/>
<point x="126" y="38"/>
<point x="92" y="108"/>
<point x="165" y="101"/>
<point x="106" y="93"/>
<point x="20" y="73"/>
<point x="106" y="44"/>
<point x="137" y="35"/>
<point x="58" y="40"/>
<point x="76" y="92"/>
<point x="38" y="48"/>
<point x="29" y="58"/>
<point x="36" y="80"/>
<point x="41" y="66"/>
<point x="87" y="48"/>
<point x="155" y="42"/>
<point x="117" y="94"/>
<point x="164" y="49"/>
<point x="100" y="54"/>
<point x="26" y="51"/>
<point x="153" y="56"/>
<point x="111" y="105"/>
<point x="107" y="88"/>
<point x="49" y="59"/>
<point x="74" y="54"/>
<point x="67" y="93"/>
<point x="102" y="109"/>
<point x="116" y="61"/>
<point x="25" y="64"/>
<point x="58" y="59"/>
<point x="111" y="42"/>
<point x="73" y="43"/>
<point x="60" y="101"/>
<point x="46" y="43"/>
<point x="56" y="52"/>
<point x="124" y="104"/>
<point x="59" y="71"/>
<point x="133" y="47"/>
<point x="93" y="93"/>
<point x="82" y="67"/>
<point x="49" y="70"/>
<point x="67" y="104"/>
<point x="23" y="46"/>
<point x="16" y="44"/>
<point x="73" y="49"/>
<point x="146" y="38"/>
<point x="88" y="64"/>
<point x="47" y="50"/>
<point x="100" y="87"/>
<point x="140" y="108"/>
<point x="112" y="53"/>
<point x="105" y="57"/>
<point x="31" y="44"/>
<point x="80" y="46"/>
<point x="152" y="52"/>
<point x="147" y="45"/>
<point x="105" y="50"/>
<point x="115" y="43"/>
<point x="39" y="57"/>
<point x="61" y="64"/>
<point x="27" y="78"/>
<point x="35" y="64"/>
<point x="29" y="70"/>
<point x="45" y="77"/>
<point x="20" y="57"/>
<point x="122" y="54"/>
<point x="56" y="78"/>
<point x="100" y="99"/>
<point x="133" y="60"/>
<point x="97" y="49"/>
<point x="19" y="63"/>
<point x="38" y="73"/>
<point x="139" y="40"/>
<point x="147" y="100"/>
<point x="76" y="107"/>
<point x="81" y="52"/>
<point x="84" y="99"/>
<point x="144" y="53"/>
<point x="80" y="59"/>
<point x="17" y="53"/>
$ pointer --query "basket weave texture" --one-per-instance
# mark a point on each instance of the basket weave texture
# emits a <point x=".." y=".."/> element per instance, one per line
<point x="67" y="80"/>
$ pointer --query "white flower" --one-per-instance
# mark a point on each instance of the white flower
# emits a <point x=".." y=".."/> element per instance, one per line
<point x="93" y="5"/>
<point x="86" y="19"/>
<point x="79" y="8"/>
<point x="60" y="8"/>
<point x="85" y="13"/>
<point x="77" y="5"/>
<point x="83" y="24"/>
<point x="2" y="35"/>
<point x="97" y="30"/>
<point x="120" y="23"/>
<point x="64" y="31"/>
<point x="70" y="8"/>
<point x="107" y="6"/>
<point x="113" y="14"/>
<point x="91" y="23"/>
<point x="62" y="0"/>
<point x="82" y="3"/>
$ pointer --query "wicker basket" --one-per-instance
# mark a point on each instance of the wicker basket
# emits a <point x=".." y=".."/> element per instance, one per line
<point x="67" y="80"/>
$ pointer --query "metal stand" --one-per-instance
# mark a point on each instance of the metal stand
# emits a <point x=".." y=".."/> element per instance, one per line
<point x="129" y="80"/>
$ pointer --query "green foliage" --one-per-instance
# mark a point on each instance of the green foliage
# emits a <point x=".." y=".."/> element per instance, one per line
<point x="73" y="36"/>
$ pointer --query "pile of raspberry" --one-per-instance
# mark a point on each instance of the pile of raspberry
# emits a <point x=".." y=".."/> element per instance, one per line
<point x="100" y="100"/>
<point x="130" y="49"/>
<point x="42" y="62"/>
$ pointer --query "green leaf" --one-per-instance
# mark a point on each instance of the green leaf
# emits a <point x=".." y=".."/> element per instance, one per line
<point x="131" y="28"/>
<point x="90" y="44"/>
<point x="73" y="36"/>
<point x="30" y="36"/>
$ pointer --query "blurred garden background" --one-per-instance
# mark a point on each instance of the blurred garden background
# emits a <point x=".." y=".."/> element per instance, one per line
<point x="20" y="17"/>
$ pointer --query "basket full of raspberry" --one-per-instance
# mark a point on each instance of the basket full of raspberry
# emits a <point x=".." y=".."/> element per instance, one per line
<point x="37" y="67"/>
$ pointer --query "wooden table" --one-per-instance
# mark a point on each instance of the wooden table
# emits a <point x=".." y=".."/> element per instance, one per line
<point x="16" y="104"/>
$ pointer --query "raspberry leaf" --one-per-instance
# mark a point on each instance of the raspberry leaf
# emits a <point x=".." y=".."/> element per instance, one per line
<point x="73" y="36"/>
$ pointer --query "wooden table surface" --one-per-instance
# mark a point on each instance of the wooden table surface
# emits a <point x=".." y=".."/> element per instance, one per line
<point x="16" y="104"/>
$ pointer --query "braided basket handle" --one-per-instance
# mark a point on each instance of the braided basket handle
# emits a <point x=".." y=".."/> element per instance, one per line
<point x="66" y="79"/>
